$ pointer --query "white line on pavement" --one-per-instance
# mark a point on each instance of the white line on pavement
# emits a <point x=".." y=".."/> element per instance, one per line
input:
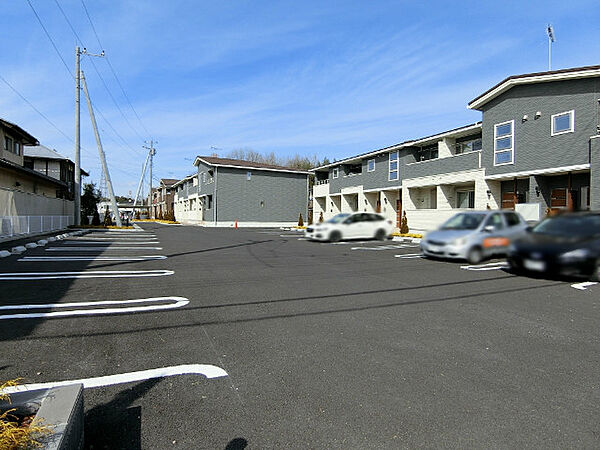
<point x="208" y="370"/>
<point x="91" y="258"/>
<point x="85" y="249"/>
<point x="490" y="266"/>
<point x="382" y="247"/>
<point x="111" y="239"/>
<point x="583" y="286"/>
<point x="26" y="276"/>
<point x="108" y="243"/>
<point x="409" y="256"/>
<point x="178" y="303"/>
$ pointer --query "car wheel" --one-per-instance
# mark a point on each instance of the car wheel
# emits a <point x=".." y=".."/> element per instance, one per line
<point x="596" y="274"/>
<point x="475" y="255"/>
<point x="380" y="235"/>
<point x="335" y="236"/>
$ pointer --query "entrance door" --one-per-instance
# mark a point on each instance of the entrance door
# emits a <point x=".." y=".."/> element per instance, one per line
<point x="378" y="207"/>
<point x="398" y="213"/>
<point x="508" y="200"/>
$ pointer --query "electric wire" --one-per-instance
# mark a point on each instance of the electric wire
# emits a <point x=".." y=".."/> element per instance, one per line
<point x="113" y="70"/>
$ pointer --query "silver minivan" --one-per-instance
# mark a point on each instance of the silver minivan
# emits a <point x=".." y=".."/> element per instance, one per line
<point x="474" y="235"/>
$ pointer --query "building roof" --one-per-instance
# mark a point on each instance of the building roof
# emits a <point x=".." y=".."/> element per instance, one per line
<point x="455" y="132"/>
<point x="239" y="163"/>
<point x="168" y="182"/>
<point x="28" y="138"/>
<point x="536" y="77"/>
<point x="34" y="173"/>
<point x="41" y="151"/>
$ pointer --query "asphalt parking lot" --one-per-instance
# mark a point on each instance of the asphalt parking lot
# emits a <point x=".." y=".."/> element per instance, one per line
<point x="351" y="345"/>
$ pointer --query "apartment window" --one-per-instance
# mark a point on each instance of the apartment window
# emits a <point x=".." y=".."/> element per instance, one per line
<point x="209" y="202"/>
<point x="504" y="140"/>
<point x="371" y="165"/>
<point x="248" y="176"/>
<point x="9" y="144"/>
<point x="194" y="181"/>
<point x="393" y="166"/>
<point x="563" y="123"/>
<point x="468" y="146"/>
<point x="427" y="153"/>
<point x="204" y="177"/>
<point x="336" y="172"/>
<point x="465" y="199"/>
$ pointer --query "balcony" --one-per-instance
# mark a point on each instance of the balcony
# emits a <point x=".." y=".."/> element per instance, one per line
<point x="438" y="166"/>
<point x="321" y="190"/>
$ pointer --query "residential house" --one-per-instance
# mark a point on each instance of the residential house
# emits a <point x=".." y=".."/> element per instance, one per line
<point x="30" y="201"/>
<point x="226" y="192"/>
<point x="534" y="151"/>
<point x="163" y="198"/>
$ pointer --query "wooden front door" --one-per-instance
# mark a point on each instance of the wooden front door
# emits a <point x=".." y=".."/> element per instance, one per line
<point x="508" y="200"/>
<point x="378" y="207"/>
<point x="398" y="213"/>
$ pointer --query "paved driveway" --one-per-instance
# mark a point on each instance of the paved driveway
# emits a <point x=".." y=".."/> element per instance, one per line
<point x="358" y="345"/>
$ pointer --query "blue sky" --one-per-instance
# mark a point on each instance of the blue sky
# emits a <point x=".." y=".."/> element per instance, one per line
<point x="311" y="78"/>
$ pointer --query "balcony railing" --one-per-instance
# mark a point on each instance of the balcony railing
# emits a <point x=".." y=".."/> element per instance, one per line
<point x="325" y="181"/>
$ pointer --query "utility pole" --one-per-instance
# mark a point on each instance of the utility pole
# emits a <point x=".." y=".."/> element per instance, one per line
<point x="77" y="181"/>
<point x="139" y="188"/>
<point x="151" y="153"/>
<point x="102" y="156"/>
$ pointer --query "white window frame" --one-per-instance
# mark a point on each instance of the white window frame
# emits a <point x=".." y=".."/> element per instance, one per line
<point x="368" y="165"/>
<point x="335" y="172"/>
<point x="512" y="147"/>
<point x="397" y="161"/>
<point x="571" y="123"/>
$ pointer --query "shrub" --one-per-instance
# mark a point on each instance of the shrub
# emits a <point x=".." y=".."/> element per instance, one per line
<point x="84" y="220"/>
<point x="107" y="219"/>
<point x="96" y="218"/>
<point x="321" y="217"/>
<point x="137" y="215"/>
<point x="300" y="221"/>
<point x="404" y="224"/>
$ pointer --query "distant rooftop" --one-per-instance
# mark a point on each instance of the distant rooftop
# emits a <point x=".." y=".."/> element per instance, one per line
<point x="41" y="151"/>
<point x="28" y="138"/>
<point x="228" y="162"/>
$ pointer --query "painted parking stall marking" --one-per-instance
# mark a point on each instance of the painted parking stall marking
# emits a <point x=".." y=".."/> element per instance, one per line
<point x="27" y="276"/>
<point x="90" y="258"/>
<point x="91" y="249"/>
<point x="409" y="256"/>
<point x="116" y="243"/>
<point x="384" y="247"/>
<point x="207" y="370"/>
<point x="489" y="266"/>
<point x="120" y="307"/>
<point x="583" y="286"/>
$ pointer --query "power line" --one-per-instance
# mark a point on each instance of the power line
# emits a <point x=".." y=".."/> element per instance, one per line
<point x="113" y="70"/>
<point x="50" y="38"/>
<point x="96" y="69"/>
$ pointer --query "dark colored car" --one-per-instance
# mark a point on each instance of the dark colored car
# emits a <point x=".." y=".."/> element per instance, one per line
<point x="566" y="244"/>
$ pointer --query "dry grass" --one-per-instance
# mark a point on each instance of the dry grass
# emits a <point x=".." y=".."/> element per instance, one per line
<point x="14" y="436"/>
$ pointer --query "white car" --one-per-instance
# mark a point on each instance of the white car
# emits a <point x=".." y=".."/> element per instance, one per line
<point x="351" y="226"/>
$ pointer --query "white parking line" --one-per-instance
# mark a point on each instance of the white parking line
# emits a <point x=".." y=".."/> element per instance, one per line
<point x="178" y="303"/>
<point x="289" y="235"/>
<point x="91" y="258"/>
<point x="409" y="256"/>
<point x="111" y="239"/>
<point x="382" y="247"/>
<point x="26" y="276"/>
<point x="208" y="370"/>
<point x="583" y="286"/>
<point x="85" y="249"/>
<point x="490" y="266"/>
<point x="350" y="242"/>
<point x="108" y="243"/>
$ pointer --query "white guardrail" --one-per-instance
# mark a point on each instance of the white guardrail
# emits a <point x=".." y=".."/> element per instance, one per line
<point x="11" y="226"/>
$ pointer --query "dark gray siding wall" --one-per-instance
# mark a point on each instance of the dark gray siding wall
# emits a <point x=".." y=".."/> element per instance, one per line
<point x="379" y="178"/>
<point x="535" y="148"/>
<point x="207" y="188"/>
<point x="283" y="195"/>
<point x="466" y="161"/>
<point x="595" y="174"/>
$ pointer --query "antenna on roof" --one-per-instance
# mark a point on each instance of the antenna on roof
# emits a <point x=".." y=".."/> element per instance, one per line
<point x="551" y="39"/>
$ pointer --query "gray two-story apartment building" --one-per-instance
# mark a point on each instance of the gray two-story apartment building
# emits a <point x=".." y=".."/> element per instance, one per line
<point x="534" y="151"/>
<point x="226" y="192"/>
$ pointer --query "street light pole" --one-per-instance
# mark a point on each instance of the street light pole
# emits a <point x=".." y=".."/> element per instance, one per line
<point x="77" y="181"/>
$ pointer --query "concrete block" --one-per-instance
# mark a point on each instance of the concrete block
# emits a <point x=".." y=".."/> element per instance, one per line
<point x="18" y="250"/>
<point x="4" y="253"/>
<point x="42" y="242"/>
<point x="31" y="245"/>
<point x="51" y="239"/>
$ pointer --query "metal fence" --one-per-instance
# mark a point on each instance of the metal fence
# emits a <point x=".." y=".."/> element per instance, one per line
<point x="11" y="226"/>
